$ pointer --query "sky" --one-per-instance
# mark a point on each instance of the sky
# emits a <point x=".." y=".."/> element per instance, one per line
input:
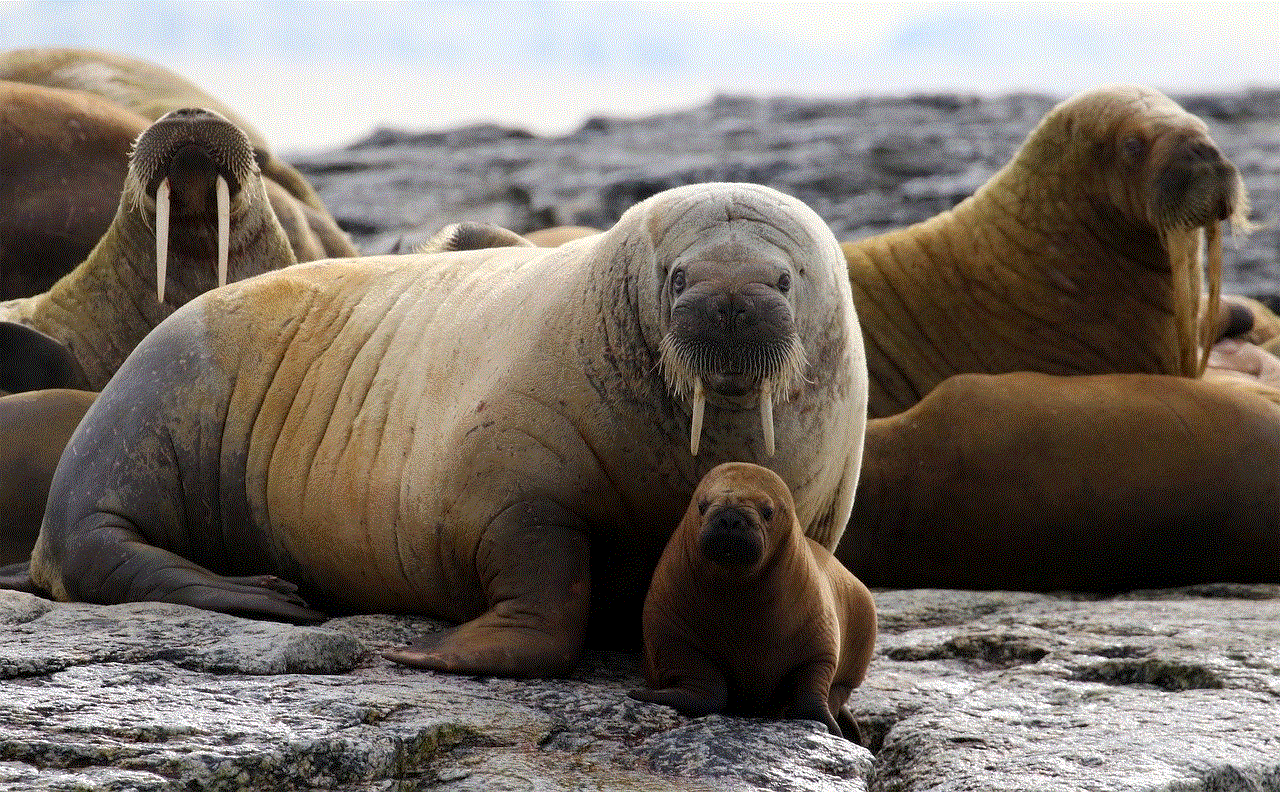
<point x="314" y="74"/>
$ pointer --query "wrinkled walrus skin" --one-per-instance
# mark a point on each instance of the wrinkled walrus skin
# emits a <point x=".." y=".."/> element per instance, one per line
<point x="746" y="614"/>
<point x="1095" y="483"/>
<point x="489" y="437"/>
<point x="1080" y="256"/>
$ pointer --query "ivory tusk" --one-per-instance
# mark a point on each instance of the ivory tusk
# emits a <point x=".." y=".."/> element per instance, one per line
<point x="699" y="406"/>
<point x="162" y="237"/>
<point x="766" y="416"/>
<point x="224" y="228"/>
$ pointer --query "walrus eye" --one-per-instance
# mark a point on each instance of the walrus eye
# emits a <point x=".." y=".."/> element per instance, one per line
<point x="784" y="282"/>
<point x="677" y="281"/>
<point x="1133" y="148"/>
<point x="766" y="512"/>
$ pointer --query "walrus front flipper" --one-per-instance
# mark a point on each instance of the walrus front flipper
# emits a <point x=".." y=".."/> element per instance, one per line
<point x="538" y="585"/>
<point x="140" y="572"/>
<point x="17" y="577"/>
<point x="35" y="361"/>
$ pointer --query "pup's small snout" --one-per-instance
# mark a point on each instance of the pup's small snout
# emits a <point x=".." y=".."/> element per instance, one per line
<point x="730" y="538"/>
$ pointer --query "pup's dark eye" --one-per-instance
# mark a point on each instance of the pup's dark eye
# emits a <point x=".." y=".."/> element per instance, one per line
<point x="702" y="507"/>
<point x="677" y="281"/>
<point x="784" y="282"/>
<point x="766" y="512"/>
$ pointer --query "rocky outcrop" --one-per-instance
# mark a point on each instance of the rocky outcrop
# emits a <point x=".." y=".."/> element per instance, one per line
<point x="1170" y="690"/>
<point x="865" y="165"/>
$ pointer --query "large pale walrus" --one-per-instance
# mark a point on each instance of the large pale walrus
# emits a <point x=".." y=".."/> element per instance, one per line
<point x="193" y="213"/>
<point x="1094" y="483"/>
<point x="1081" y="256"/>
<point x="746" y="614"/>
<point x="500" y="438"/>
<point x="73" y="115"/>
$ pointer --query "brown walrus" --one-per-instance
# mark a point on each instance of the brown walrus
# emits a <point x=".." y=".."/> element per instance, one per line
<point x="70" y="117"/>
<point x="34" y="429"/>
<point x="1080" y="256"/>
<point x="193" y="212"/>
<point x="65" y="155"/>
<point x="498" y="437"/>
<point x="1095" y="483"/>
<point x="746" y="614"/>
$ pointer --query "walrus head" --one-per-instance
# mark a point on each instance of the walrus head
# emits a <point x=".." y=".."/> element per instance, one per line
<point x="1139" y="153"/>
<point x="744" y="510"/>
<point x="193" y="164"/>
<point x="729" y="291"/>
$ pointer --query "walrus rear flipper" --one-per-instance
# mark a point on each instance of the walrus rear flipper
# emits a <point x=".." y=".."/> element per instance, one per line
<point x="17" y="577"/>
<point x="140" y="572"/>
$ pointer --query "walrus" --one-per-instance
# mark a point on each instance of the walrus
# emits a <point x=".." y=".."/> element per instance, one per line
<point x="1093" y="483"/>
<point x="1080" y="256"/>
<point x="35" y="361"/>
<point x="193" y="213"/>
<point x="746" y="614"/>
<point x="556" y="236"/>
<point x="500" y="438"/>
<point x="65" y="157"/>
<point x="34" y="429"/>
<point x="60" y="101"/>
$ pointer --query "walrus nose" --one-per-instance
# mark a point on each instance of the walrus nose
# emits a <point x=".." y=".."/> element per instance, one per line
<point x="730" y="538"/>
<point x="1195" y="152"/>
<point x="730" y="314"/>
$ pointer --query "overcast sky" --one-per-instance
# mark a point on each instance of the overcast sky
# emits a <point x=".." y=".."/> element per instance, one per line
<point x="315" y="74"/>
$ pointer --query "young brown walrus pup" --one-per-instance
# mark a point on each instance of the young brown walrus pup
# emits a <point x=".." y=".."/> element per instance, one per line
<point x="746" y="614"/>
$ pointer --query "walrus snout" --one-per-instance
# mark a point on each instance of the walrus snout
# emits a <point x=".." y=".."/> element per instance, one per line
<point x="1194" y="184"/>
<point x="192" y="160"/>
<point x="732" y="338"/>
<point x="731" y="537"/>
<point x="193" y="141"/>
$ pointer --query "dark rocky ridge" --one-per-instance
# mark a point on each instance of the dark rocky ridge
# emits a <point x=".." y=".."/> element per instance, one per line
<point x="865" y="165"/>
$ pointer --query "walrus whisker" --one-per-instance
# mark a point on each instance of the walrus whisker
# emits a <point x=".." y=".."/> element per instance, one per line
<point x="162" y="237"/>
<point x="224" y="228"/>
<point x="695" y="426"/>
<point x="766" y="416"/>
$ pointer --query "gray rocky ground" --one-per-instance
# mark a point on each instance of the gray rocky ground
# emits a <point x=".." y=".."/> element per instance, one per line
<point x="1168" y="690"/>
<point x="1175" y="691"/>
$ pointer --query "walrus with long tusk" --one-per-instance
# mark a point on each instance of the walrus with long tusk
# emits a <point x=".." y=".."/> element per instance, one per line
<point x="193" y="213"/>
<point x="746" y="614"/>
<point x="1081" y="256"/>
<point x="497" y="437"/>
<point x="73" y="114"/>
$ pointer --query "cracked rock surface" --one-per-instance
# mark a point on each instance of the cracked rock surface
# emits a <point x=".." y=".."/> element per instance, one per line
<point x="1173" y="690"/>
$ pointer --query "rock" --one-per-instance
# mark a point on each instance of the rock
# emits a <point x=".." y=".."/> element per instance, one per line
<point x="148" y="696"/>
<point x="866" y="165"/>
<point x="1171" y="690"/>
